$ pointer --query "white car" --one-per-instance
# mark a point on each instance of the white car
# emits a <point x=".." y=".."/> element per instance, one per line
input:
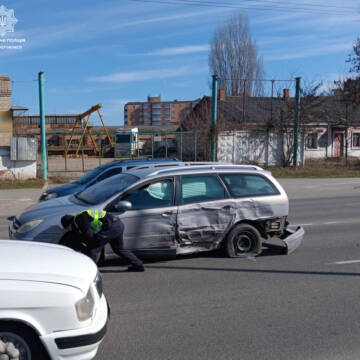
<point x="52" y="304"/>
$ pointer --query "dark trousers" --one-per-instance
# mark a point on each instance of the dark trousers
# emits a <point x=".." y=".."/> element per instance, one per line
<point x="114" y="236"/>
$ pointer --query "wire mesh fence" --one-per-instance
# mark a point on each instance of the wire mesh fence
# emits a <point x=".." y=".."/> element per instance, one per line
<point x="79" y="152"/>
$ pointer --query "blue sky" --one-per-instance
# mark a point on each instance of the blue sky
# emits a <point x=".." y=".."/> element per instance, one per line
<point x="115" y="51"/>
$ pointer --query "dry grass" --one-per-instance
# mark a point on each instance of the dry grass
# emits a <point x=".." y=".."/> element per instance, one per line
<point x="58" y="179"/>
<point x="320" y="168"/>
<point x="21" y="184"/>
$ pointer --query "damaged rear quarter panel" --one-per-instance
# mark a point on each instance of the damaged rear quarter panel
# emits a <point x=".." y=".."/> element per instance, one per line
<point x="211" y="221"/>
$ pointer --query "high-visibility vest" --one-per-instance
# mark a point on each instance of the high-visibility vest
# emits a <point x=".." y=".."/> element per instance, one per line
<point x="96" y="216"/>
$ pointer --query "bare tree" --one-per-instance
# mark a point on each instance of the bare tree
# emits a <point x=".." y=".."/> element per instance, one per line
<point x="354" y="58"/>
<point x="234" y="58"/>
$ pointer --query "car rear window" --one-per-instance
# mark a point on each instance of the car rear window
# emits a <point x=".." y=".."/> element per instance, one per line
<point x="199" y="188"/>
<point x="245" y="185"/>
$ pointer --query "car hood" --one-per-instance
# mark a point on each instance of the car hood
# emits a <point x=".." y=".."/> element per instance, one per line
<point x="58" y="206"/>
<point x="39" y="262"/>
<point x="66" y="189"/>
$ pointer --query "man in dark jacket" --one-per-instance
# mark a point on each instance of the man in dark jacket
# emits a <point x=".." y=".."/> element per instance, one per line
<point x="90" y="230"/>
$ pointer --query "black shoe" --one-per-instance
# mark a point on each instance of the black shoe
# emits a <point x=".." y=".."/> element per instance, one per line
<point x="136" y="268"/>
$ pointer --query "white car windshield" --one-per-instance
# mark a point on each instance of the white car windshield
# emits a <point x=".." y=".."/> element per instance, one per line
<point x="104" y="190"/>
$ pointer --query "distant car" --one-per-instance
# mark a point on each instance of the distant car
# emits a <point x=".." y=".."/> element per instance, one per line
<point x="178" y="210"/>
<point x="98" y="174"/>
<point x="52" y="303"/>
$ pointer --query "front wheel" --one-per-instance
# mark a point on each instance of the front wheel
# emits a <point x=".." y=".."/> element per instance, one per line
<point x="17" y="342"/>
<point x="243" y="240"/>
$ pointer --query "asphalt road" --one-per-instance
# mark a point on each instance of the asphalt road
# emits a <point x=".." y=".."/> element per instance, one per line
<point x="302" y="306"/>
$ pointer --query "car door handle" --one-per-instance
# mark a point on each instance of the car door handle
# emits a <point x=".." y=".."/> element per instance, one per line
<point x="167" y="213"/>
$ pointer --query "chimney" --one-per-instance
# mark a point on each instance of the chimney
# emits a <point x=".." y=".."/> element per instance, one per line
<point x="286" y="94"/>
<point x="221" y="95"/>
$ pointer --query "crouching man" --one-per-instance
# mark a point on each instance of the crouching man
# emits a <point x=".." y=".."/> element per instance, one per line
<point x="90" y="230"/>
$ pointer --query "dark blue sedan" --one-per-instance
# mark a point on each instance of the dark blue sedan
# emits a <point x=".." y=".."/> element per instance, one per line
<point x="98" y="174"/>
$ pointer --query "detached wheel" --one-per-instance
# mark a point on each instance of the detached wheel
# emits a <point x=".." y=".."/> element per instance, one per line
<point x="243" y="240"/>
<point x="17" y="342"/>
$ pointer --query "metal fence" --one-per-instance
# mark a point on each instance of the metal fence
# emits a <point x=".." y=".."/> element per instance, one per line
<point x="81" y="155"/>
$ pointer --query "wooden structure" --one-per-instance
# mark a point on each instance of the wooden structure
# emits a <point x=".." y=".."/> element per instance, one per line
<point x="82" y="122"/>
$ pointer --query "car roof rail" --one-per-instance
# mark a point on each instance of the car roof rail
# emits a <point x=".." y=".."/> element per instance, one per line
<point x="212" y="166"/>
<point x="156" y="165"/>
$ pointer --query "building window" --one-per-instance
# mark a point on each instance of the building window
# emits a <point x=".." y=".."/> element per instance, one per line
<point x="312" y="141"/>
<point x="356" y="140"/>
<point x="156" y="106"/>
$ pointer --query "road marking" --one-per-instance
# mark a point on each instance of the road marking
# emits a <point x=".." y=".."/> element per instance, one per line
<point x="333" y="222"/>
<point x="346" y="262"/>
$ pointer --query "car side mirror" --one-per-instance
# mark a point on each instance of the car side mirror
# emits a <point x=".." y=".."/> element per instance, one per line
<point x="123" y="206"/>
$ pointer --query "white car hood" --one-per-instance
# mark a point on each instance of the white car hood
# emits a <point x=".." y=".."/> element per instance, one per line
<point x="32" y="261"/>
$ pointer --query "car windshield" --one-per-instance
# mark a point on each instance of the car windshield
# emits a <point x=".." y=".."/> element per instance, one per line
<point x="92" y="174"/>
<point x="104" y="190"/>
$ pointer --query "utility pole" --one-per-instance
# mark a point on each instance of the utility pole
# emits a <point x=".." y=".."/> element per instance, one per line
<point x="214" y="116"/>
<point x="297" y="122"/>
<point x="42" y="127"/>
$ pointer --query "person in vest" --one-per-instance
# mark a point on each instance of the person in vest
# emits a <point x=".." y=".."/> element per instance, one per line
<point x="90" y="230"/>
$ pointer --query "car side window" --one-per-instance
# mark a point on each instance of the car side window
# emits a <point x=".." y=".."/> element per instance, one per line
<point x="109" y="173"/>
<point x="154" y="195"/>
<point x="244" y="185"/>
<point x="200" y="188"/>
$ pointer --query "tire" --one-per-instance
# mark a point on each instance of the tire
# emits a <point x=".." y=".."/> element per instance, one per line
<point x="242" y="241"/>
<point x="17" y="341"/>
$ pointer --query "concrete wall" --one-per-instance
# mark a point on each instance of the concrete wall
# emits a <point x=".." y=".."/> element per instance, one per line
<point x="250" y="146"/>
<point x="12" y="170"/>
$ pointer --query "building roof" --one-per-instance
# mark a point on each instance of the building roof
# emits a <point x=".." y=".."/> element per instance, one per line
<point x="18" y="108"/>
<point x="235" y="111"/>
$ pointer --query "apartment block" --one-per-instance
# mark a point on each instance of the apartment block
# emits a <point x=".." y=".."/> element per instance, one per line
<point x="155" y="112"/>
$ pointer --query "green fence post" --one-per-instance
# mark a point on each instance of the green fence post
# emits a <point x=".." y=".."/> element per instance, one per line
<point x="42" y="126"/>
<point x="214" y="117"/>
<point x="166" y="149"/>
<point x="152" y="146"/>
<point x="297" y="122"/>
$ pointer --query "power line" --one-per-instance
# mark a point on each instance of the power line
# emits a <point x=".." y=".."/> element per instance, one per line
<point x="308" y="6"/>
<point x="285" y="8"/>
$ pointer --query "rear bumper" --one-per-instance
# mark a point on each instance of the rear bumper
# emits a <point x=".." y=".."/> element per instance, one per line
<point x="79" y="344"/>
<point x="293" y="239"/>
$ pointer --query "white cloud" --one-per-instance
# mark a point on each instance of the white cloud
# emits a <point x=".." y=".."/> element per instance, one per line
<point x="315" y="50"/>
<point x="189" y="49"/>
<point x="141" y="75"/>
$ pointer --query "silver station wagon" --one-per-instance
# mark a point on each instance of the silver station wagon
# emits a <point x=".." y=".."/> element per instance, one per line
<point x="179" y="210"/>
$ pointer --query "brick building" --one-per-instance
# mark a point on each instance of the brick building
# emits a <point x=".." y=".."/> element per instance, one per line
<point x="5" y="111"/>
<point x="155" y="112"/>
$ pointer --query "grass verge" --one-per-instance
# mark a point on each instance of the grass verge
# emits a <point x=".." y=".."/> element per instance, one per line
<point x="320" y="168"/>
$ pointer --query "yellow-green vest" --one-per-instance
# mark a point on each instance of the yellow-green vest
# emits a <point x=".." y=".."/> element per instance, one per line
<point x="96" y="215"/>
